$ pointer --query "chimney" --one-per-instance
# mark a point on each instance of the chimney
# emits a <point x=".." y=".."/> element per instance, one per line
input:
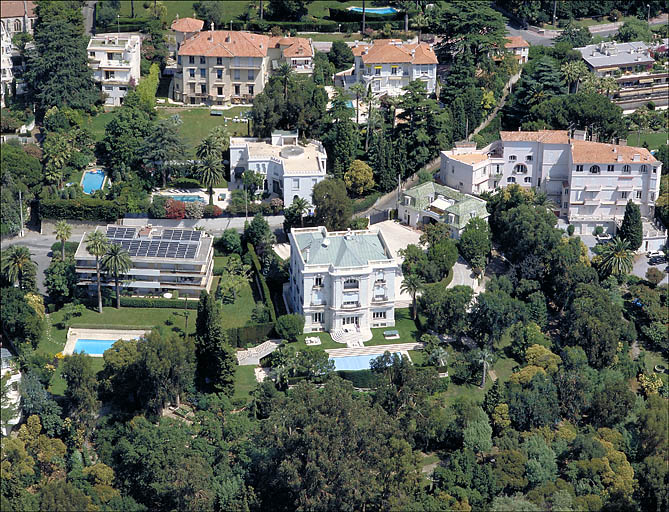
<point x="622" y="142"/>
<point x="620" y="158"/>
<point x="227" y="37"/>
<point x="177" y="17"/>
<point x="211" y="32"/>
<point x="306" y="255"/>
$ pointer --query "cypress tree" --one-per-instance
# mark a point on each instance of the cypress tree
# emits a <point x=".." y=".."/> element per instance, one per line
<point x="459" y="119"/>
<point x="380" y="160"/>
<point x="632" y="227"/>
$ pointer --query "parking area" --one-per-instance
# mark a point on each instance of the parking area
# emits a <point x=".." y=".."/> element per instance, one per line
<point x="642" y="264"/>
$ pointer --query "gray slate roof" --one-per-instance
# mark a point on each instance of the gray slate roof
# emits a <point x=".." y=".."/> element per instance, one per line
<point x="625" y="54"/>
<point x="341" y="251"/>
<point x="464" y="204"/>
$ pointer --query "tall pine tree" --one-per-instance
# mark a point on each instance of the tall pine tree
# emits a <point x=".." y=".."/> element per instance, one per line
<point x="632" y="227"/>
<point x="380" y="157"/>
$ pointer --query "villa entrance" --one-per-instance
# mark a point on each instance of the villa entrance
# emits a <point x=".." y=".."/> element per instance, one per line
<point x="351" y="320"/>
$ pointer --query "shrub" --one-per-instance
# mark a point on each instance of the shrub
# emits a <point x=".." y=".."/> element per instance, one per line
<point x="145" y="302"/>
<point x="84" y="208"/>
<point x="175" y="209"/>
<point x="359" y="378"/>
<point x="185" y="183"/>
<point x="570" y="229"/>
<point x="598" y="230"/>
<point x="359" y="223"/>
<point x="654" y="276"/>
<point x="70" y="248"/>
<point x="250" y="334"/>
<point x="276" y="204"/>
<point x="194" y="210"/>
<point x="212" y="211"/>
<point x="157" y="209"/>
<point x="290" y="326"/>
<point x="230" y="242"/>
<point x="257" y="268"/>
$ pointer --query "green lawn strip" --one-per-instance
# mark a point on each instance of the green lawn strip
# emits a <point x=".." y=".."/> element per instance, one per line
<point x="417" y="357"/>
<point x="326" y="341"/>
<point x="245" y="381"/>
<point x="404" y="324"/>
<point x="428" y="459"/>
<point x="653" y="139"/>
<point x="98" y="123"/>
<point x="335" y="36"/>
<point x="320" y="8"/>
<point x="239" y="313"/>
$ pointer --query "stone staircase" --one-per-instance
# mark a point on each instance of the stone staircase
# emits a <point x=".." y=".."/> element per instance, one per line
<point x="252" y="356"/>
<point x="349" y="337"/>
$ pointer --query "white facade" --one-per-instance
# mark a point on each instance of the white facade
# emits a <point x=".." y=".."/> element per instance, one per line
<point x="115" y="61"/>
<point x="335" y="283"/>
<point x="589" y="182"/>
<point x="290" y="170"/>
<point x="9" y="366"/>
<point x="5" y="65"/>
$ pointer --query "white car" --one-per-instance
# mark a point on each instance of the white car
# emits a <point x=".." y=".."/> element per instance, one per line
<point x="654" y="254"/>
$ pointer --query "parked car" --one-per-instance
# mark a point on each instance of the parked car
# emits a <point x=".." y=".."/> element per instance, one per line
<point x="656" y="260"/>
<point x="653" y="254"/>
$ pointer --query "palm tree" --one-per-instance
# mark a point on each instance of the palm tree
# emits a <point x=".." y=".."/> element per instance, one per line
<point x="485" y="358"/>
<point x="63" y="233"/>
<point x="573" y="72"/>
<point x="439" y="356"/>
<point x="301" y="206"/>
<point x="411" y="284"/>
<point x="116" y="262"/>
<point x="541" y="199"/>
<point x="210" y="172"/>
<point x="609" y="85"/>
<point x="359" y="89"/>
<point x="96" y="245"/>
<point x="284" y="73"/>
<point x="15" y="262"/>
<point x="420" y="22"/>
<point x="616" y="257"/>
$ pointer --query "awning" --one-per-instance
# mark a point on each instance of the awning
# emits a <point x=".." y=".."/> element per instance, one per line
<point x="378" y="67"/>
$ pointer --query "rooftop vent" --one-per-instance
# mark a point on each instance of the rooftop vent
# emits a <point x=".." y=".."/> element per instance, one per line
<point x="326" y="242"/>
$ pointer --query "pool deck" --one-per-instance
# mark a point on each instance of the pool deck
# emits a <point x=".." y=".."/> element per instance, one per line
<point x="373" y="350"/>
<point x="73" y="334"/>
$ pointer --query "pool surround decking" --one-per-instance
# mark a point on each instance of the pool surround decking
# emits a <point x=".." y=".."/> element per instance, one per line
<point x="73" y="334"/>
<point x="94" y="170"/>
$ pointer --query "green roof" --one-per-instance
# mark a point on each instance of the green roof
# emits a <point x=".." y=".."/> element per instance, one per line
<point x="463" y="208"/>
<point x="353" y="250"/>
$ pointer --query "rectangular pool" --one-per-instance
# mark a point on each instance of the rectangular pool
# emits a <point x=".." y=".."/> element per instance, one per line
<point x="93" y="347"/>
<point x="375" y="10"/>
<point x="188" y="198"/>
<point x="355" y="362"/>
<point x="93" y="180"/>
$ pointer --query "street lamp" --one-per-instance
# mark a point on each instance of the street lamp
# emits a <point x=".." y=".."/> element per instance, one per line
<point x="118" y="30"/>
<point x="648" y="18"/>
<point x="339" y="27"/>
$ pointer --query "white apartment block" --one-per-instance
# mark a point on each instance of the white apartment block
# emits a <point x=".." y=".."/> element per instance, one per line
<point x="217" y="67"/>
<point x="342" y="280"/>
<point x="115" y="61"/>
<point x="388" y="65"/>
<point x="9" y="365"/>
<point x="6" y="65"/>
<point x="589" y="182"/>
<point x="290" y="169"/>
<point x="164" y="260"/>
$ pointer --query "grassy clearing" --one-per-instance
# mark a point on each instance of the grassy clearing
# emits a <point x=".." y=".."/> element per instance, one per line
<point x="239" y="313"/>
<point x="653" y="139"/>
<point x="197" y="123"/>
<point x="245" y="382"/>
<point x="98" y="124"/>
<point x="403" y="323"/>
<point x="651" y="359"/>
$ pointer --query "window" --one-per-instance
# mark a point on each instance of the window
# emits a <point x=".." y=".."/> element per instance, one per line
<point x="191" y="72"/>
<point x="179" y="60"/>
<point x="202" y="60"/>
<point x="17" y="25"/>
<point x="638" y="194"/>
<point x="624" y="195"/>
<point x="191" y="60"/>
<point x="512" y="158"/>
<point x="219" y="74"/>
<point x="264" y="168"/>
<point x="378" y="315"/>
<point x="314" y="181"/>
<point x="177" y="85"/>
<point x="318" y="281"/>
<point x="579" y="168"/>
<point x="594" y="169"/>
<point x="511" y="179"/>
<point x="627" y="169"/>
<point x="350" y="284"/>
<point x="393" y="70"/>
<point x="238" y="75"/>
<point x="566" y="191"/>
<point x="110" y="56"/>
<point x="250" y="89"/>
<point x="528" y="179"/>
<point x="219" y="61"/>
<point x="237" y="90"/>
<point x="203" y="73"/>
<point x="643" y="169"/>
<point x="377" y="70"/>
<point x="296" y="182"/>
<point x="528" y="158"/>
<point x="91" y="54"/>
<point x="203" y="88"/>
<point x="317" y="318"/>
<point x="251" y="75"/>
<point x="219" y="91"/>
<point x="654" y="170"/>
<point x="564" y="205"/>
<point x="520" y="169"/>
<point x="610" y="168"/>
<point x="109" y="75"/>
<point x="652" y="196"/>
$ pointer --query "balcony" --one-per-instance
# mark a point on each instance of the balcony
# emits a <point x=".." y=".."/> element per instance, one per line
<point x="239" y="65"/>
<point x="380" y="298"/>
<point x="350" y="305"/>
<point x="351" y="286"/>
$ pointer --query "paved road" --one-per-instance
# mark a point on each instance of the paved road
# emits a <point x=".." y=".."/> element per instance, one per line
<point x="88" y="11"/>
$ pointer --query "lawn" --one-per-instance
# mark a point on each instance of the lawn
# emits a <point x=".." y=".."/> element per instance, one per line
<point x="653" y="358"/>
<point x="197" y="123"/>
<point x="403" y="323"/>
<point x="653" y="139"/>
<point x="98" y="123"/>
<point x="334" y="36"/>
<point x="239" y="313"/>
<point x="245" y="382"/>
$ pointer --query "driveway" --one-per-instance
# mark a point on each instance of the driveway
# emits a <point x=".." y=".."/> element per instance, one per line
<point x="641" y="266"/>
<point x="464" y="276"/>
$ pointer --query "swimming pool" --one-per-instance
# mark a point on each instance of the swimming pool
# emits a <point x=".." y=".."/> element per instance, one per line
<point x="93" y="347"/>
<point x="349" y="104"/>
<point x="188" y="199"/>
<point x="93" y="180"/>
<point x="355" y="362"/>
<point x="375" y="10"/>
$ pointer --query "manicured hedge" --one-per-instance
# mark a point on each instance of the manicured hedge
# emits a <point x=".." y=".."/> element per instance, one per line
<point x="84" y="208"/>
<point x="250" y="334"/>
<point x="114" y="327"/>
<point x="144" y="302"/>
<point x="264" y="289"/>
<point x="185" y="183"/>
<point x="359" y="378"/>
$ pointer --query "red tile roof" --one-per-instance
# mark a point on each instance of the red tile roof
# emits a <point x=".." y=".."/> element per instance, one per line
<point x="225" y="43"/>
<point x="545" y="136"/>
<point x="586" y="152"/>
<point x="292" y="46"/>
<point x="15" y="9"/>
<point x="187" y="25"/>
<point x="516" y="42"/>
<point x="390" y="51"/>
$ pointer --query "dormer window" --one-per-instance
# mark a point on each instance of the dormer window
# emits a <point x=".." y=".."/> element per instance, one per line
<point x="610" y="168"/>
<point x="512" y="158"/>
<point x="528" y="158"/>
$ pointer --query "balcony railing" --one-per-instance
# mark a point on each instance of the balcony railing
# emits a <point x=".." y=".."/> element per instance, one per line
<point x="350" y="305"/>
<point x="380" y="298"/>
<point x="351" y="286"/>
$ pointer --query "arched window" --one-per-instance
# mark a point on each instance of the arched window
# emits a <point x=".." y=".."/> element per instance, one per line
<point x="511" y="179"/>
<point x="295" y="197"/>
<point x="528" y="179"/>
<point x="351" y="284"/>
<point x="643" y="169"/>
<point x="595" y="169"/>
<point x="627" y="169"/>
<point x="17" y="25"/>
<point x="520" y="169"/>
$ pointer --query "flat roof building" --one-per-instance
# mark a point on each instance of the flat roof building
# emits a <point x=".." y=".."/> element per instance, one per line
<point x="115" y="61"/>
<point x="164" y="260"/>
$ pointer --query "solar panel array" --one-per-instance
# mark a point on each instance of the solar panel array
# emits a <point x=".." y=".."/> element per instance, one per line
<point x="174" y="243"/>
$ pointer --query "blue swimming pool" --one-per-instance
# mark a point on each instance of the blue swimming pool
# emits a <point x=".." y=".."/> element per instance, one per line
<point x="93" y="347"/>
<point x="349" y="104"/>
<point x="188" y="199"/>
<point x="355" y="362"/>
<point x="375" y="10"/>
<point x="93" y="180"/>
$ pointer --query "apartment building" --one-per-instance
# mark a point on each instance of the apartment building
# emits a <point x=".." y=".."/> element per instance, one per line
<point x="518" y="47"/>
<point x="9" y="365"/>
<point x="290" y="169"/>
<point x="163" y="261"/>
<point x="589" y="182"/>
<point x="430" y="203"/>
<point x="17" y="16"/>
<point x="342" y="280"/>
<point x="115" y="61"/>
<point x="6" y="65"/>
<point x="217" y="67"/>
<point x="635" y="70"/>
<point x="390" y="64"/>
